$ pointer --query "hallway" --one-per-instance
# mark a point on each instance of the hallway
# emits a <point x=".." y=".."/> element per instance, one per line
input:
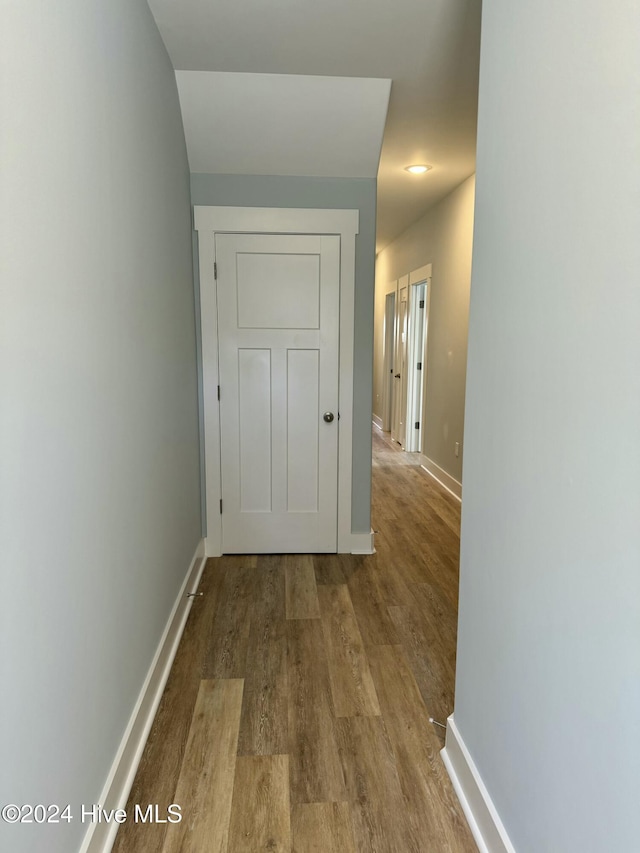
<point x="296" y="715"/>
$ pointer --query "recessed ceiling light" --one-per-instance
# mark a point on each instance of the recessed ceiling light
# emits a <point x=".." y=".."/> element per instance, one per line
<point x="417" y="169"/>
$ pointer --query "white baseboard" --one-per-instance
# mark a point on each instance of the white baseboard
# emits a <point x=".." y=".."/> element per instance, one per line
<point x="101" y="836"/>
<point x="484" y="821"/>
<point x="362" y="543"/>
<point x="377" y="422"/>
<point x="439" y="474"/>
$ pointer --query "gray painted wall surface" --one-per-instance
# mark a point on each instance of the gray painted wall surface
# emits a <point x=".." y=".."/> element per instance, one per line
<point x="443" y="238"/>
<point x="548" y="666"/>
<point x="99" y="487"/>
<point x="338" y="193"/>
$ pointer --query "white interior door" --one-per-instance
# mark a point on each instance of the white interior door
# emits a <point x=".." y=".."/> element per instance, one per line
<point x="278" y="328"/>
<point x="387" y="368"/>
<point x="415" y="366"/>
<point x="399" y="428"/>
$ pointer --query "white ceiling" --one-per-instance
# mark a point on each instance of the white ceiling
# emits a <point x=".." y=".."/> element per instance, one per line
<point x="428" y="48"/>
<point x="283" y="124"/>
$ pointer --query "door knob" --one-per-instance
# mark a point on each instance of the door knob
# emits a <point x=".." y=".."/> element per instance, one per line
<point x="328" y="416"/>
<point x="397" y="376"/>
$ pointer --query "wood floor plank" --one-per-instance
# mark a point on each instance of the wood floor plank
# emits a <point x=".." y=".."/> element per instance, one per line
<point x="315" y="768"/>
<point x="439" y="618"/>
<point x="260" y="812"/>
<point x="397" y="548"/>
<point x="386" y="582"/>
<point x="438" y="623"/>
<point x="206" y="781"/>
<point x="328" y="568"/>
<point x="301" y="590"/>
<point x="159" y="769"/>
<point x="433" y="673"/>
<point x="375" y="624"/>
<point x="351" y="684"/>
<point x="338" y="568"/>
<point x="424" y="781"/>
<point x="264" y="725"/>
<point x="229" y="634"/>
<point x="377" y="804"/>
<point x="448" y="509"/>
<point x="417" y="561"/>
<point x="322" y="828"/>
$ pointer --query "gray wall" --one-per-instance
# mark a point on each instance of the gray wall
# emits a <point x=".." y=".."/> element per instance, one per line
<point x="443" y="237"/>
<point x="99" y="482"/>
<point x="339" y="193"/>
<point x="548" y="672"/>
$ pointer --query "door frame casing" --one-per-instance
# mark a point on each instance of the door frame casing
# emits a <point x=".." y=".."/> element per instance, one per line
<point x="416" y="330"/>
<point x="388" y="353"/>
<point x="424" y="275"/>
<point x="420" y="276"/>
<point x="212" y="220"/>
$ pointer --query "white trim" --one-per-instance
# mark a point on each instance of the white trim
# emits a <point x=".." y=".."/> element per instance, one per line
<point x="388" y="354"/>
<point x="210" y="404"/>
<point x="399" y="417"/>
<point x="362" y="543"/>
<point x="425" y="354"/>
<point x="212" y="546"/>
<point x="345" y="223"/>
<point x="482" y="816"/>
<point x="100" y="837"/>
<point x="345" y="372"/>
<point x="285" y="220"/>
<point x="439" y="474"/>
<point x="418" y="327"/>
<point x="377" y="421"/>
<point x="421" y="274"/>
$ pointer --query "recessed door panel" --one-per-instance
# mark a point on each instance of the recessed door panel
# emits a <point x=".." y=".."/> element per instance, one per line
<point x="278" y="291"/>
<point x="254" y="420"/>
<point x="303" y="422"/>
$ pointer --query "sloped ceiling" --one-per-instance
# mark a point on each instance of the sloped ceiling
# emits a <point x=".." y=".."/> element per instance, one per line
<point x="283" y="124"/>
<point x="429" y="49"/>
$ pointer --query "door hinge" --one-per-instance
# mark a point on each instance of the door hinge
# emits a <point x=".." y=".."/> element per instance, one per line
<point x="215" y="270"/>
<point x="218" y="392"/>
<point x="220" y="506"/>
<point x="422" y="303"/>
<point x="418" y="367"/>
<point x="417" y="424"/>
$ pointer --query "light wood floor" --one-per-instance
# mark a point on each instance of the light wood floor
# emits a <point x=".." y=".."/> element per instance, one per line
<point x="296" y="715"/>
